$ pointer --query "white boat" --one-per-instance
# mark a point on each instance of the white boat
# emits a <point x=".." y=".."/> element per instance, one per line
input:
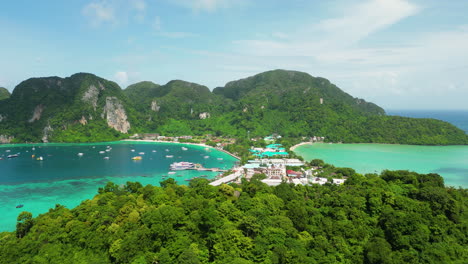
<point x="7" y="150"/>
<point x="184" y="148"/>
<point x="154" y="150"/>
<point x="183" y="165"/>
<point x="141" y="153"/>
<point x="169" y="156"/>
<point x="220" y="158"/>
<point x="132" y="150"/>
<point x="171" y="172"/>
<point x="206" y="157"/>
<point x="102" y="152"/>
<point x="33" y="148"/>
<point x="80" y="154"/>
<point x="106" y="158"/>
<point x="40" y="158"/>
<point x="167" y="149"/>
<point x="107" y="150"/>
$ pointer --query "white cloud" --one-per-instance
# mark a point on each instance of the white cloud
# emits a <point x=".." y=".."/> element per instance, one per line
<point x="99" y="13"/>
<point x="121" y="78"/>
<point x="367" y="18"/>
<point x="124" y="78"/>
<point x="206" y="5"/>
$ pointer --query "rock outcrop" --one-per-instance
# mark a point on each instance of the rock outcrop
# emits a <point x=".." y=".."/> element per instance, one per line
<point x="37" y="113"/>
<point x="91" y="96"/>
<point x="46" y="133"/>
<point x="154" y="106"/>
<point x="2" y="117"/>
<point x="115" y="115"/>
<point x="83" y="121"/>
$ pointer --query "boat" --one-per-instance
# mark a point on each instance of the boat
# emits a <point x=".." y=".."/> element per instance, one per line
<point x="40" y="158"/>
<point x="7" y="150"/>
<point x="106" y="158"/>
<point x="107" y="150"/>
<point x="171" y="172"/>
<point x="167" y="149"/>
<point x="169" y="156"/>
<point x="220" y="158"/>
<point x="184" y="148"/>
<point x="102" y="152"/>
<point x="141" y="153"/>
<point x="137" y="158"/>
<point x="206" y="157"/>
<point x="80" y="154"/>
<point x="12" y="156"/>
<point x="19" y="205"/>
<point x="132" y="150"/>
<point x="181" y="165"/>
<point x="154" y="150"/>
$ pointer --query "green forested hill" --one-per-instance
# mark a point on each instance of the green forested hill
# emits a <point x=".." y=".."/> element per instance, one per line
<point x="4" y="93"/>
<point x="397" y="217"/>
<point x="84" y="107"/>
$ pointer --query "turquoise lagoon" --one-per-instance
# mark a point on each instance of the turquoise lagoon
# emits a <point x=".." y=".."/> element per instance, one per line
<point x="451" y="162"/>
<point x="63" y="177"/>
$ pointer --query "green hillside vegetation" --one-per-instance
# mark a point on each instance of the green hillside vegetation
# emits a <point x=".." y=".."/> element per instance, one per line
<point x="293" y="104"/>
<point x="4" y="93"/>
<point x="397" y="217"/>
<point x="61" y="106"/>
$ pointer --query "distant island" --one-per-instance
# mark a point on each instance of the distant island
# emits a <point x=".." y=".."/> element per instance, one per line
<point x="87" y="108"/>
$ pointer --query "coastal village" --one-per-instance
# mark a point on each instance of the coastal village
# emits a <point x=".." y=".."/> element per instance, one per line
<point x="273" y="161"/>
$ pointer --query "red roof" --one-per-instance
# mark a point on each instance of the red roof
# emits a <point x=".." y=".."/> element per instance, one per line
<point x="293" y="172"/>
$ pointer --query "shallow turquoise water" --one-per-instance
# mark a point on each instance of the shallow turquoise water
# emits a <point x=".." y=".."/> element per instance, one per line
<point x="451" y="162"/>
<point x="65" y="178"/>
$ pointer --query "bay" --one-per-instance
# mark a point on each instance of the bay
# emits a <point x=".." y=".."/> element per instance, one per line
<point x="66" y="178"/>
<point x="451" y="162"/>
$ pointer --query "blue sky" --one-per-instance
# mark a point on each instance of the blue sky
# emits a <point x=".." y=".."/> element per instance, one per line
<point x="400" y="54"/>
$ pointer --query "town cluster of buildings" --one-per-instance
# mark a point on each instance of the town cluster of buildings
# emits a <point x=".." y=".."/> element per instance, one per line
<point x="276" y="172"/>
<point x="269" y="151"/>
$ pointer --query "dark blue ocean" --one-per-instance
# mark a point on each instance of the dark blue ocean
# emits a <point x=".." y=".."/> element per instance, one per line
<point x="458" y="118"/>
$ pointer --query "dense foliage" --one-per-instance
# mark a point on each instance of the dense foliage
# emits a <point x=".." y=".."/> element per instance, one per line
<point x="290" y="103"/>
<point x="293" y="104"/>
<point x="53" y="107"/>
<point x="4" y="93"/>
<point x="399" y="217"/>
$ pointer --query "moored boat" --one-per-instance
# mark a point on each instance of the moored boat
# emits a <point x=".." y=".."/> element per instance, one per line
<point x="182" y="165"/>
<point x="19" y="205"/>
<point x="137" y="158"/>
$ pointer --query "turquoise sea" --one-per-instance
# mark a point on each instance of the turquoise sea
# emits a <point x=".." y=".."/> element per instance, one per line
<point x="451" y="162"/>
<point x="63" y="177"/>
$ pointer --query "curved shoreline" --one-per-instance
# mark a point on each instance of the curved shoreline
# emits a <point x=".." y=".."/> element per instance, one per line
<point x="300" y="144"/>
<point x="187" y="143"/>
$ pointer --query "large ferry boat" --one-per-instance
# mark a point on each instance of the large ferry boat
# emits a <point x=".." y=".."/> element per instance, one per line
<point x="182" y="165"/>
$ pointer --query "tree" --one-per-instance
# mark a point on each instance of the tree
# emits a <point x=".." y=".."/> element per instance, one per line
<point x="24" y="224"/>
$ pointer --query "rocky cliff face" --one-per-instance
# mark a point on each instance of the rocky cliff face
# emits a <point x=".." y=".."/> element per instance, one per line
<point x="154" y="106"/>
<point x="37" y="113"/>
<point x="46" y="132"/>
<point x="115" y="115"/>
<point x="91" y="96"/>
